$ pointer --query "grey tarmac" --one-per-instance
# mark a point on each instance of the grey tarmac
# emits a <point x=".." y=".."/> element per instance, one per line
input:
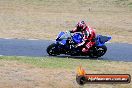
<point x="37" y="48"/>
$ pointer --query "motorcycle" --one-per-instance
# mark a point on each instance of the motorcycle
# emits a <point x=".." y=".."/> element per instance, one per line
<point x="66" y="44"/>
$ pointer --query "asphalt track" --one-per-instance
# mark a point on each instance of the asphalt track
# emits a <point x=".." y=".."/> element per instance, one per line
<point x="21" y="47"/>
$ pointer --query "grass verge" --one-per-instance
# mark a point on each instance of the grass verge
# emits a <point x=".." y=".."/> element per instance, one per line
<point x="54" y="72"/>
<point x="99" y="66"/>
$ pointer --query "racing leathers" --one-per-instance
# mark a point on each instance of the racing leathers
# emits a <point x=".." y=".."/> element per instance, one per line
<point x="88" y="37"/>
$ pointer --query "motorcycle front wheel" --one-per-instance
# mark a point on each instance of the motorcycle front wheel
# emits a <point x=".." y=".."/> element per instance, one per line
<point x="51" y="50"/>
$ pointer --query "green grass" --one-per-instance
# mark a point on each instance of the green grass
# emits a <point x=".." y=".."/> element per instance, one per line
<point x="130" y="4"/>
<point x="99" y="66"/>
<point x="51" y="62"/>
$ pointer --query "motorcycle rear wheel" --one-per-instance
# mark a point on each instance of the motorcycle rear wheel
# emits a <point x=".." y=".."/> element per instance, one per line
<point x="100" y="51"/>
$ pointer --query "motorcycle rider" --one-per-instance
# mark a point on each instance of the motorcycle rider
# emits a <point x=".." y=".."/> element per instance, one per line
<point x="88" y="35"/>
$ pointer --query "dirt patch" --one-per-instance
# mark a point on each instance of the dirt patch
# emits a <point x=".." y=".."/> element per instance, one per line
<point x="44" y="20"/>
<point x="16" y="75"/>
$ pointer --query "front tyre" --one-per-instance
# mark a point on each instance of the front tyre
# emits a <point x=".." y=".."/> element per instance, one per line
<point x="51" y="50"/>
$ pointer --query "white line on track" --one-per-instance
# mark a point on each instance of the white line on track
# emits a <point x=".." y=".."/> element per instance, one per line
<point x="34" y="39"/>
<point x="108" y="42"/>
<point x="17" y="38"/>
<point x="7" y="38"/>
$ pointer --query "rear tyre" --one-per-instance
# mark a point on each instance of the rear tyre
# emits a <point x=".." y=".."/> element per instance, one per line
<point x="51" y="50"/>
<point x="98" y="51"/>
<point x="102" y="50"/>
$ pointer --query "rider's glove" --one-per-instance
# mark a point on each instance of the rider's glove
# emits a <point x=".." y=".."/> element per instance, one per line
<point x="81" y="43"/>
<point x="76" y="46"/>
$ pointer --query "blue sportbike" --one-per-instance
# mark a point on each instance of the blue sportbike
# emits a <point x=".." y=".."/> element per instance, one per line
<point x="66" y="44"/>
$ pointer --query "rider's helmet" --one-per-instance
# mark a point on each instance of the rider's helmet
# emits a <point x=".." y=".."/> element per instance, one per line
<point x="81" y="25"/>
